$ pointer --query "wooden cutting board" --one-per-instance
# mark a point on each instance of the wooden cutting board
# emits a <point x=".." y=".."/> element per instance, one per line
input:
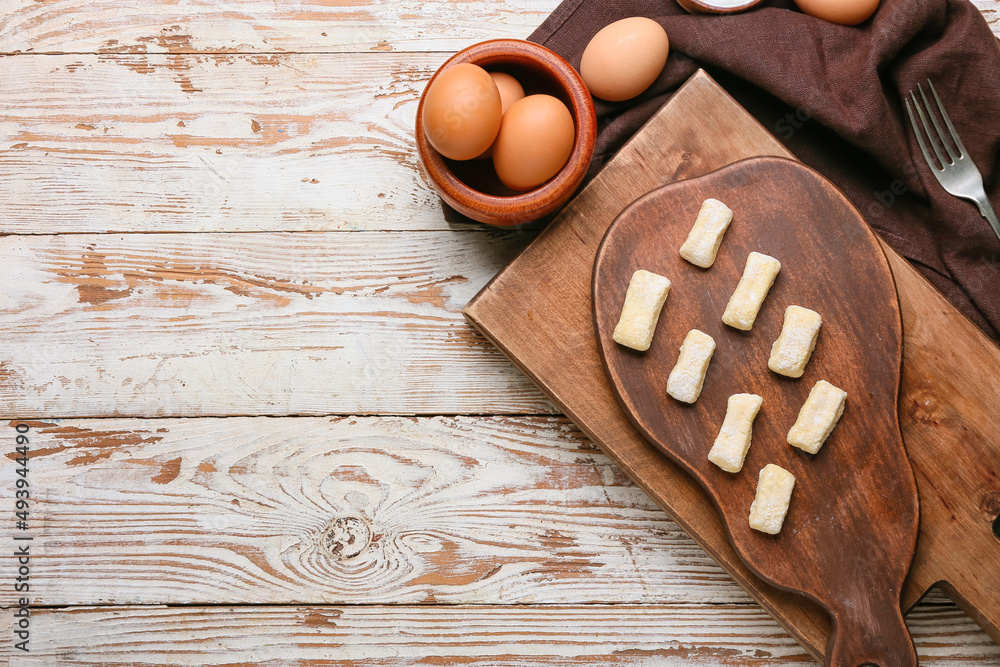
<point x="849" y="535"/>
<point x="538" y="312"/>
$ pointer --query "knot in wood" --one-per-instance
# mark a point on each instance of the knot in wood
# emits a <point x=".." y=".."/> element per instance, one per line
<point x="990" y="504"/>
<point x="346" y="537"/>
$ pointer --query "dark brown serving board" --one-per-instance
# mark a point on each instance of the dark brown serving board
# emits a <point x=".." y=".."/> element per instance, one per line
<point x="538" y="312"/>
<point x="849" y="535"/>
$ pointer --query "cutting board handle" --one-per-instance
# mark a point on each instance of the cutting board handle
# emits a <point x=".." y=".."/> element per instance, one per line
<point x="875" y="635"/>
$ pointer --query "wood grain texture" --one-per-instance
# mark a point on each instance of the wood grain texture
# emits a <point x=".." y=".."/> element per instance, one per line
<point x="854" y="512"/>
<point x="951" y="408"/>
<point x="397" y="636"/>
<point x="220" y="142"/>
<point x="224" y="324"/>
<point x="256" y="26"/>
<point x="230" y="171"/>
<point x="252" y="26"/>
<point x="213" y="511"/>
<point x="567" y="366"/>
<point x="224" y="142"/>
<point x="477" y="510"/>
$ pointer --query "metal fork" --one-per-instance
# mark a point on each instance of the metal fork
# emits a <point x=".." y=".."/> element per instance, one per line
<point x="959" y="175"/>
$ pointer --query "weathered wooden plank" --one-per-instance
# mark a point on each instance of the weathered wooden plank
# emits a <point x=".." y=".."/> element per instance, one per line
<point x="162" y="26"/>
<point x="527" y="502"/>
<point x="230" y="324"/>
<point x="223" y="142"/>
<point x="240" y="510"/>
<point x="251" y="26"/>
<point x="664" y="636"/>
<point x="214" y="143"/>
<point x="991" y="11"/>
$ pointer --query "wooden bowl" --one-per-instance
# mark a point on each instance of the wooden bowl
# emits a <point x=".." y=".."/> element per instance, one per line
<point x="472" y="187"/>
<point x="708" y="7"/>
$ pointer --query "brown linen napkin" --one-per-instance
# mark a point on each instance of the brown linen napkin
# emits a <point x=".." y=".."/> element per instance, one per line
<point x="833" y="96"/>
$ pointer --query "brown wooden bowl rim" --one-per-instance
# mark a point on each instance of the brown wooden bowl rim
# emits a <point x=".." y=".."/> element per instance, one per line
<point x="520" y="207"/>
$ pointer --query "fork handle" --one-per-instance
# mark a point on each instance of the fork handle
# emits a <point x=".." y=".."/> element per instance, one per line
<point x="987" y="211"/>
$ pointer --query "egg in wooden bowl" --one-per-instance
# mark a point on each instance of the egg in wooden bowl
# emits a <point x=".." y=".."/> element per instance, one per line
<point x="543" y="153"/>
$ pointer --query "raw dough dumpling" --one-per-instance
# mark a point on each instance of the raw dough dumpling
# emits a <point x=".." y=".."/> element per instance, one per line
<point x="774" y="495"/>
<point x="647" y="292"/>
<point x="702" y="244"/>
<point x="758" y="276"/>
<point x="731" y="447"/>
<point x="688" y="375"/>
<point x="818" y="417"/>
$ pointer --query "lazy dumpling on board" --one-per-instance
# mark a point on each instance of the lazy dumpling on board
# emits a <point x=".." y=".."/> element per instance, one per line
<point x="644" y="299"/>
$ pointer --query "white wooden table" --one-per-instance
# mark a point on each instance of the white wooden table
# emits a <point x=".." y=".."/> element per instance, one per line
<point x="259" y="430"/>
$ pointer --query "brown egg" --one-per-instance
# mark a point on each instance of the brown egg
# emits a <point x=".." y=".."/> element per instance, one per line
<point x="624" y="58"/>
<point x="535" y="140"/>
<point x="462" y="112"/>
<point x="844" y="12"/>
<point x="510" y="92"/>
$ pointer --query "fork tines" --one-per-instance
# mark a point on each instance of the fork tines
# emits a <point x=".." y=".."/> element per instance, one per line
<point x="957" y="173"/>
<point x="937" y="137"/>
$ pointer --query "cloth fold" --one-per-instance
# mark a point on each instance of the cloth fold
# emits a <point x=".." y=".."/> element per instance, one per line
<point x="834" y="96"/>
